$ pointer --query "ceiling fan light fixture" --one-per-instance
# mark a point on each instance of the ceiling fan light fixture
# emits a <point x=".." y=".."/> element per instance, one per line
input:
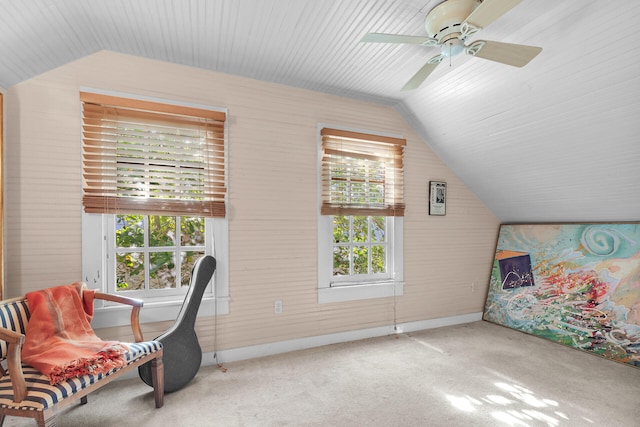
<point x="452" y="47"/>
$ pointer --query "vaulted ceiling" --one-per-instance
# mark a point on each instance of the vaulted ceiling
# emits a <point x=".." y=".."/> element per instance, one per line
<point x="556" y="140"/>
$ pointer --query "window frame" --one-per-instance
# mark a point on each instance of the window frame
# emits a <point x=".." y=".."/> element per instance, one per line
<point x="387" y="244"/>
<point x="95" y="229"/>
<point x="167" y="293"/>
<point x="95" y="250"/>
<point x="365" y="287"/>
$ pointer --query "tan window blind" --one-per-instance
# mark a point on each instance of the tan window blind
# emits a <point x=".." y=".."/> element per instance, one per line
<point x="362" y="174"/>
<point x="151" y="158"/>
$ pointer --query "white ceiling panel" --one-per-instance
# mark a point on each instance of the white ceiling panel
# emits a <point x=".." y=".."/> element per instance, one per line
<point x="556" y="140"/>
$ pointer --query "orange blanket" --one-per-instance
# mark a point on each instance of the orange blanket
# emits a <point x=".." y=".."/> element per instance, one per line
<point x="59" y="341"/>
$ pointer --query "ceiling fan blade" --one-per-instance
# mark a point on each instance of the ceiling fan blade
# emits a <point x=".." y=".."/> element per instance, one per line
<point x="517" y="55"/>
<point x="488" y="11"/>
<point x="422" y="74"/>
<point x="397" y="38"/>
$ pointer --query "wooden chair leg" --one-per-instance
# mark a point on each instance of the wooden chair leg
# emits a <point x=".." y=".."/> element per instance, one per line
<point x="83" y="400"/>
<point x="47" y="419"/>
<point x="157" y="377"/>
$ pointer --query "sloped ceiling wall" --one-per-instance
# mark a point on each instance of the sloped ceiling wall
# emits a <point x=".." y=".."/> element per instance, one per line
<point x="554" y="141"/>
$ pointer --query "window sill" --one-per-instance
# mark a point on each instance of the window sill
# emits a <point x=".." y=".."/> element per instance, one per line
<point x="362" y="291"/>
<point x="120" y="315"/>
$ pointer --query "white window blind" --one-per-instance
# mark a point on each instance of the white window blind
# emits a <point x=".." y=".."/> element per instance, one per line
<point x="362" y="174"/>
<point x="151" y="158"/>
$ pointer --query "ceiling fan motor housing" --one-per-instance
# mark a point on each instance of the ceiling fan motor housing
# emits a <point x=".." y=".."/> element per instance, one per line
<point x="443" y="21"/>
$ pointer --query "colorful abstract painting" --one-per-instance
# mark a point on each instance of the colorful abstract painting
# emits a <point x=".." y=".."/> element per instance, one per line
<point x="576" y="284"/>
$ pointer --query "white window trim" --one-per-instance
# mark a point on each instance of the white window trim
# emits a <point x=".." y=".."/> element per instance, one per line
<point x="330" y="292"/>
<point x="94" y="251"/>
<point x="94" y="268"/>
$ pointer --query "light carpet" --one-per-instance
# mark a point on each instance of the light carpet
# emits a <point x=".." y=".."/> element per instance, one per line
<point x="475" y="374"/>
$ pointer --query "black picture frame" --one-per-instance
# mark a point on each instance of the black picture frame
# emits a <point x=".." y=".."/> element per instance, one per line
<point x="437" y="198"/>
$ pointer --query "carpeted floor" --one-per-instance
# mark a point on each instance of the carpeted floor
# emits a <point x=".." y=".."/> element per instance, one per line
<point x="476" y="374"/>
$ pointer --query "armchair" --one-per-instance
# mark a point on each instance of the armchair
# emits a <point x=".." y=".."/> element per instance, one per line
<point x="25" y="392"/>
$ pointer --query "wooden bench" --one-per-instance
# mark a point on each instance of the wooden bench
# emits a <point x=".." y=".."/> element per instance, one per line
<point x="25" y="392"/>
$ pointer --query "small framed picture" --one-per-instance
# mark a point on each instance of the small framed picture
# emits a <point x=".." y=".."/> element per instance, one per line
<point x="437" y="198"/>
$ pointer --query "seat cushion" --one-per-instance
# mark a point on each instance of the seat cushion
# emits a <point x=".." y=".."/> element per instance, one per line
<point x="41" y="395"/>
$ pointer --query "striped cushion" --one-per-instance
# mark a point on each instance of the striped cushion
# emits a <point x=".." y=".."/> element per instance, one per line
<point x="41" y="395"/>
<point x="14" y="315"/>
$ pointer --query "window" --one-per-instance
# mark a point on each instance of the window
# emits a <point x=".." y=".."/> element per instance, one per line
<point x="360" y="224"/>
<point x="154" y="252"/>
<point x="153" y="194"/>
<point x="359" y="247"/>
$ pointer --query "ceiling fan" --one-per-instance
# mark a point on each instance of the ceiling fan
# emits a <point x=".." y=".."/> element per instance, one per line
<point x="450" y="24"/>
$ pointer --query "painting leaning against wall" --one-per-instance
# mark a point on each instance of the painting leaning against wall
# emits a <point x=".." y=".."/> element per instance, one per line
<point x="576" y="284"/>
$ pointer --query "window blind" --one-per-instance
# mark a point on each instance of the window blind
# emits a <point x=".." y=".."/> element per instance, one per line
<point x="151" y="158"/>
<point x="362" y="174"/>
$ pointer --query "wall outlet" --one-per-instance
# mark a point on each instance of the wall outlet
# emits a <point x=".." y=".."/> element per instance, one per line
<point x="473" y="286"/>
<point x="277" y="306"/>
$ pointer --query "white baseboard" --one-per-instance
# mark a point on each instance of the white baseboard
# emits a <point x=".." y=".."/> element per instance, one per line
<point x="251" y="352"/>
<point x="254" y="351"/>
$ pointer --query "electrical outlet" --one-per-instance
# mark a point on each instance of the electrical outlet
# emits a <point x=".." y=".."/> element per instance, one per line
<point x="473" y="286"/>
<point x="277" y="306"/>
